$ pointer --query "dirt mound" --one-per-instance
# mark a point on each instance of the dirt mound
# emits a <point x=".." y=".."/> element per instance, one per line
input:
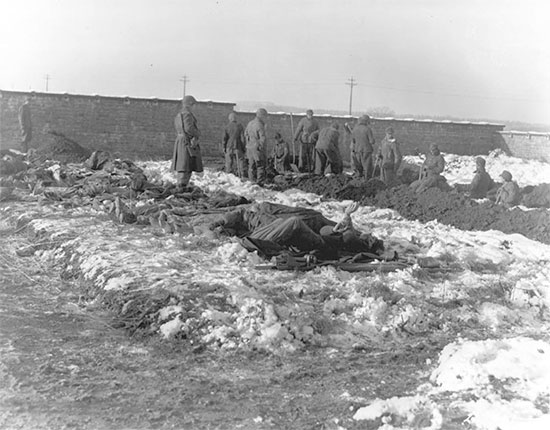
<point x="59" y="147"/>
<point x="458" y="210"/>
<point x="537" y="197"/>
<point x="342" y="187"/>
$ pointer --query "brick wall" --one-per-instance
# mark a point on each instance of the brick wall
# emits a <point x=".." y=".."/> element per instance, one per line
<point x="143" y="128"/>
<point x="528" y="145"/>
<point x="129" y="127"/>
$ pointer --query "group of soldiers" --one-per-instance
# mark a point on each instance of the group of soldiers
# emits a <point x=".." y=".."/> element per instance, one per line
<point x="245" y="151"/>
<point x="319" y="150"/>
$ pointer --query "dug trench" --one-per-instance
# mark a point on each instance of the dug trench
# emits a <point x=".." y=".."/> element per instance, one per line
<point x="452" y="208"/>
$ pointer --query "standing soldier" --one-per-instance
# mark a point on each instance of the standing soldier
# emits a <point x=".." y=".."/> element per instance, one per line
<point x="362" y="147"/>
<point x="327" y="151"/>
<point x="187" y="152"/>
<point x="280" y="154"/>
<point x="25" y="124"/>
<point x="256" y="150"/>
<point x="389" y="157"/>
<point x="305" y="135"/>
<point x="233" y="145"/>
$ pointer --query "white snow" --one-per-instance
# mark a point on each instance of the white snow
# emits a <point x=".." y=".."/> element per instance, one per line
<point x="488" y="264"/>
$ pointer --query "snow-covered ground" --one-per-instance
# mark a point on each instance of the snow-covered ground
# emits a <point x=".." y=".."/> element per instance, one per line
<point x="460" y="169"/>
<point x="499" y="282"/>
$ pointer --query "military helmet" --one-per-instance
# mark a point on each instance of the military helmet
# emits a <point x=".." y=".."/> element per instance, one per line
<point x="189" y="101"/>
<point x="261" y="113"/>
<point x="506" y="175"/>
<point x="232" y="116"/>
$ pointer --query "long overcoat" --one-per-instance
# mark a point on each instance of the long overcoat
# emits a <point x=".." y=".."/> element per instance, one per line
<point x="187" y="153"/>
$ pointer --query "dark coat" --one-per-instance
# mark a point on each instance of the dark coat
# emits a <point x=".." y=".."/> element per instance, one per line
<point x="306" y="127"/>
<point x="233" y="137"/>
<point x="481" y="183"/>
<point x="256" y="140"/>
<point x="187" y="153"/>
<point x="362" y="139"/>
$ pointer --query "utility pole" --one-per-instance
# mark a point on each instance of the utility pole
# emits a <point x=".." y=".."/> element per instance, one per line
<point x="47" y="78"/>
<point x="185" y="79"/>
<point x="351" y="82"/>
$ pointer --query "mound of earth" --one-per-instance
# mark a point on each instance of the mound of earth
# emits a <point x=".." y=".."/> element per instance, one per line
<point x="59" y="147"/>
<point x="538" y="197"/>
<point x="453" y="208"/>
<point x="342" y="187"/>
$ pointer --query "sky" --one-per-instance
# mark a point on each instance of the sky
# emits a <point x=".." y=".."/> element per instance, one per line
<point x="472" y="59"/>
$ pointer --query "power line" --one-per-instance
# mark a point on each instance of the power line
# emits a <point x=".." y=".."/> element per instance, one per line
<point x="351" y="82"/>
<point x="47" y="78"/>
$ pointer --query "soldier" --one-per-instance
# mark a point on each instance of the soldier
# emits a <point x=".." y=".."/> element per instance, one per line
<point x="187" y="153"/>
<point x="301" y="228"/>
<point x="26" y="125"/>
<point x="327" y="151"/>
<point x="306" y="136"/>
<point x="280" y="154"/>
<point x="508" y="194"/>
<point x="482" y="182"/>
<point x="233" y="145"/>
<point x="389" y="157"/>
<point x="362" y="147"/>
<point x="256" y="147"/>
<point x="434" y="163"/>
<point x="430" y="174"/>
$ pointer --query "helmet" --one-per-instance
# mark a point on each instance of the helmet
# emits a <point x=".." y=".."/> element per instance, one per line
<point x="364" y="119"/>
<point x="480" y="161"/>
<point x="232" y="116"/>
<point x="189" y="101"/>
<point x="506" y="175"/>
<point x="261" y="113"/>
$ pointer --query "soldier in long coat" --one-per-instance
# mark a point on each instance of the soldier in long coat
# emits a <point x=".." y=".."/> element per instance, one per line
<point x="362" y="147"/>
<point x="305" y="135"/>
<point x="234" y="145"/>
<point x="187" y="152"/>
<point x="26" y="125"/>
<point x="256" y="147"/>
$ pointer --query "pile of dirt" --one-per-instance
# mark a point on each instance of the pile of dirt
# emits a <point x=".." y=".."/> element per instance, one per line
<point x="537" y="197"/>
<point x="342" y="187"/>
<point x="59" y="147"/>
<point x="457" y="210"/>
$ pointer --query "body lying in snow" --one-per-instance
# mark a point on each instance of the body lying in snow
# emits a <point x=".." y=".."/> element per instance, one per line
<point x="272" y="228"/>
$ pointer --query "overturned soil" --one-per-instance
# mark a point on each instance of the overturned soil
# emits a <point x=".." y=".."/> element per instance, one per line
<point x="452" y="208"/>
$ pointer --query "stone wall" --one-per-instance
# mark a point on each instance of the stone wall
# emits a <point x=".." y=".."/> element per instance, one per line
<point x="528" y="145"/>
<point x="143" y="128"/>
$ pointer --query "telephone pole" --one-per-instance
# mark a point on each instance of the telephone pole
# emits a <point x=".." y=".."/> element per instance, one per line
<point x="47" y="78"/>
<point x="185" y="79"/>
<point x="351" y="82"/>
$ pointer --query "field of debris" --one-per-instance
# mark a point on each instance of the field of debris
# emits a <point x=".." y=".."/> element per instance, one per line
<point x="454" y="336"/>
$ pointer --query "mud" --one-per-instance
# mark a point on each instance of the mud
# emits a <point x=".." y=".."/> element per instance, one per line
<point x="452" y="208"/>
<point x="61" y="148"/>
<point x="457" y="210"/>
<point x="341" y="187"/>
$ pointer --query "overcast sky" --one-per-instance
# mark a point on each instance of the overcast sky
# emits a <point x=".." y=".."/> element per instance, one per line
<point x="475" y="59"/>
